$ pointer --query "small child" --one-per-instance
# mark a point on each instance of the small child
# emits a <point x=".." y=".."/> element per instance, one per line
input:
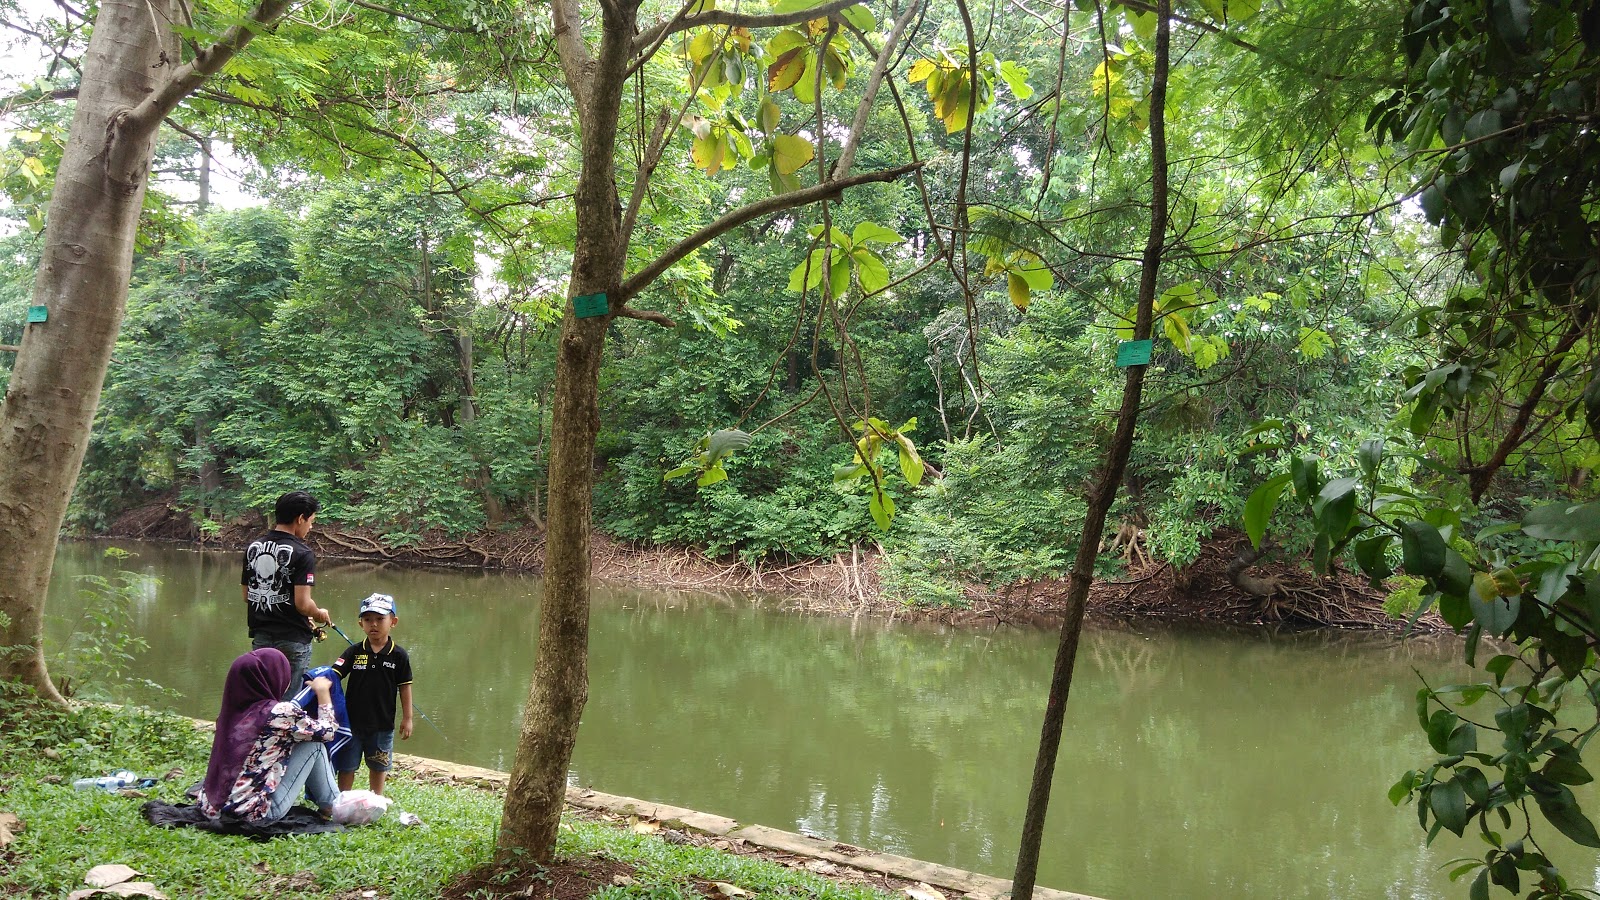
<point x="374" y="671"/>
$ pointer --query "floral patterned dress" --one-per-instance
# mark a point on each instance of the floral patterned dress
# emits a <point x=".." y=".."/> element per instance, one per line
<point x="251" y="797"/>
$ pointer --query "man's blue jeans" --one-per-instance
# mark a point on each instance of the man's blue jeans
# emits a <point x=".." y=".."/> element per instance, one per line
<point x="306" y="768"/>
<point x="299" y="659"/>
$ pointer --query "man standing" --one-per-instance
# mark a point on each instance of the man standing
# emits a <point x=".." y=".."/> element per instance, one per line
<point x="279" y="570"/>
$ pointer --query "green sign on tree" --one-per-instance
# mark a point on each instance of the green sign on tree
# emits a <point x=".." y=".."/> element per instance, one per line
<point x="1134" y="353"/>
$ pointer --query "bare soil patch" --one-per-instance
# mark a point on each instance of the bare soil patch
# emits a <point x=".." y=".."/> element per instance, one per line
<point x="568" y="879"/>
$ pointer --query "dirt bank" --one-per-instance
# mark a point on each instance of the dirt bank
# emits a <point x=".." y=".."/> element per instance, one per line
<point x="1218" y="587"/>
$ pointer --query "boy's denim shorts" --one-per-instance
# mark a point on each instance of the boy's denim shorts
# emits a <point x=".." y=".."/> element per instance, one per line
<point x="377" y="748"/>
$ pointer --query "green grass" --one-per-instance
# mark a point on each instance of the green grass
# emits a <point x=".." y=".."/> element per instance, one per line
<point x="68" y="831"/>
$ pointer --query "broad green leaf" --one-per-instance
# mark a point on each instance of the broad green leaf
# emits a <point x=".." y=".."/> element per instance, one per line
<point x="870" y="271"/>
<point x="911" y="464"/>
<point x="790" y="153"/>
<point x="860" y="17"/>
<point x="1495" y="613"/>
<point x="839" y="274"/>
<point x="1370" y="455"/>
<point x="769" y="115"/>
<point x="1338" y="505"/>
<point x="725" y="441"/>
<point x="1260" y="505"/>
<point x="1037" y="275"/>
<point x="1016" y="78"/>
<point x="1562" y="811"/>
<point x="711" y="476"/>
<point x="1564" y="522"/>
<point x="679" y="472"/>
<point x="882" y="507"/>
<point x="1373" y="557"/>
<point x="873" y="233"/>
<point x="1307" y="480"/>
<point x="787" y="6"/>
<point x="1564" y="770"/>
<point x="1422" y="548"/>
<point x="1448" y="800"/>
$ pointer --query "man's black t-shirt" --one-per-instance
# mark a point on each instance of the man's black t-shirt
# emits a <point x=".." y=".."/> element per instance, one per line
<point x="371" y="682"/>
<point x="273" y="564"/>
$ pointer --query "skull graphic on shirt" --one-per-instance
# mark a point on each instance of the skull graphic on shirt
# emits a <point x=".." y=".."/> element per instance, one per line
<point x="269" y="585"/>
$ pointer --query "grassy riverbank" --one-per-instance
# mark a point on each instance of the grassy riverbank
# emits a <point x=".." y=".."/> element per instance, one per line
<point x="65" y="832"/>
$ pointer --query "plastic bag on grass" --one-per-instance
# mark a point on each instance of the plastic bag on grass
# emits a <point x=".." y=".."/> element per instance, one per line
<point x="359" y="807"/>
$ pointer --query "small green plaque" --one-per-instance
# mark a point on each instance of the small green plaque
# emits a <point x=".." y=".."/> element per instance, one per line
<point x="38" y="314"/>
<point x="1134" y="353"/>
<point x="587" y="306"/>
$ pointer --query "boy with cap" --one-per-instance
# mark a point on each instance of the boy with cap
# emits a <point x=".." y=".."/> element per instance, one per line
<point x="375" y="671"/>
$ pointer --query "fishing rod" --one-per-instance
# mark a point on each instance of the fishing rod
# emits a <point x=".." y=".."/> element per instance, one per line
<point x="340" y="632"/>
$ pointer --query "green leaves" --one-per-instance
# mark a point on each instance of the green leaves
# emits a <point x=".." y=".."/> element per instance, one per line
<point x="840" y="255"/>
<point x="877" y="436"/>
<point x="1564" y="522"/>
<point x="1422" y="549"/>
<point x="1260" y="505"/>
<point x="706" y="457"/>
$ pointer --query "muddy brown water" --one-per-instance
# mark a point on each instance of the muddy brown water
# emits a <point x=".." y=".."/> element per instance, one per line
<point x="1195" y="763"/>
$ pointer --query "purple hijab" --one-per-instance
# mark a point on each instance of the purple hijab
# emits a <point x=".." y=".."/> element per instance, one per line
<point x="256" y="682"/>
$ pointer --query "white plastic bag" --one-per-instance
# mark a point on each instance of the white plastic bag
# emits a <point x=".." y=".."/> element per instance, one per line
<point x="359" y="807"/>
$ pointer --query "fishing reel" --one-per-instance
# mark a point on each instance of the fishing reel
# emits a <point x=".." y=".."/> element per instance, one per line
<point x="319" y="633"/>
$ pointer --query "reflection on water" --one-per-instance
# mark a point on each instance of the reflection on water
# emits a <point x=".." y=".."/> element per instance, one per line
<point x="1195" y="764"/>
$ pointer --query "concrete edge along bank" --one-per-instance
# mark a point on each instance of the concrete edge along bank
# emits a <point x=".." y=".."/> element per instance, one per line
<point x="971" y="885"/>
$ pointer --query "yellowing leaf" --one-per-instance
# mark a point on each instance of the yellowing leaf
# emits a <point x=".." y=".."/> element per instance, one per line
<point x="769" y="115"/>
<point x="786" y="70"/>
<point x="1018" y="289"/>
<point x="790" y="153"/>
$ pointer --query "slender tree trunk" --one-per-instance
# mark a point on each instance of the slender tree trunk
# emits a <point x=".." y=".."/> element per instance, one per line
<point x="83" y="283"/>
<point x="203" y="202"/>
<point x="1105" y="491"/>
<point x="536" y="793"/>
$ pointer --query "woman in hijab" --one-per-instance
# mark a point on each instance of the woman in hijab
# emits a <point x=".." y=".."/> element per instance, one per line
<point x="267" y="751"/>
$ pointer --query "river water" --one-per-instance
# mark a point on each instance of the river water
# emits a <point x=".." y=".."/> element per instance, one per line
<point x="1195" y="763"/>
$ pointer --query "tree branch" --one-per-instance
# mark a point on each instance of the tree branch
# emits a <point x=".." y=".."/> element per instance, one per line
<point x="189" y="76"/>
<point x="648" y="37"/>
<point x="573" y="54"/>
<point x="646" y="315"/>
<point x="411" y="17"/>
<point x="756" y="210"/>
<point x="847" y="151"/>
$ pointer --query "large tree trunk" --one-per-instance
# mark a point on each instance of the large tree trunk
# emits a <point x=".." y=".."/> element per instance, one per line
<point x="83" y="282"/>
<point x="536" y="793"/>
<point x="1105" y="490"/>
<point x="132" y="78"/>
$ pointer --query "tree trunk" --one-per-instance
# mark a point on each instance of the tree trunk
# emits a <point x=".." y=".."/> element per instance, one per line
<point x="1105" y="491"/>
<point x="83" y="283"/>
<point x="536" y="793"/>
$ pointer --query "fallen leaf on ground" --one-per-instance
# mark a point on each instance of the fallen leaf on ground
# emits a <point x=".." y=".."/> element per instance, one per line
<point x="622" y="880"/>
<point x="172" y="773"/>
<point x="823" y="867"/>
<point x="107" y="875"/>
<point x="51" y="753"/>
<point x="134" y="889"/>
<point x="923" y="891"/>
<point x="123" y="889"/>
<point x="261" y="868"/>
<point x="52" y="779"/>
<point x="729" y="890"/>
<point x="646" y="827"/>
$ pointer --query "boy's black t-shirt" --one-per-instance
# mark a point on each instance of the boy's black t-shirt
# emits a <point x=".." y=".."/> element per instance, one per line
<point x="371" y="681"/>
<point x="273" y="565"/>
